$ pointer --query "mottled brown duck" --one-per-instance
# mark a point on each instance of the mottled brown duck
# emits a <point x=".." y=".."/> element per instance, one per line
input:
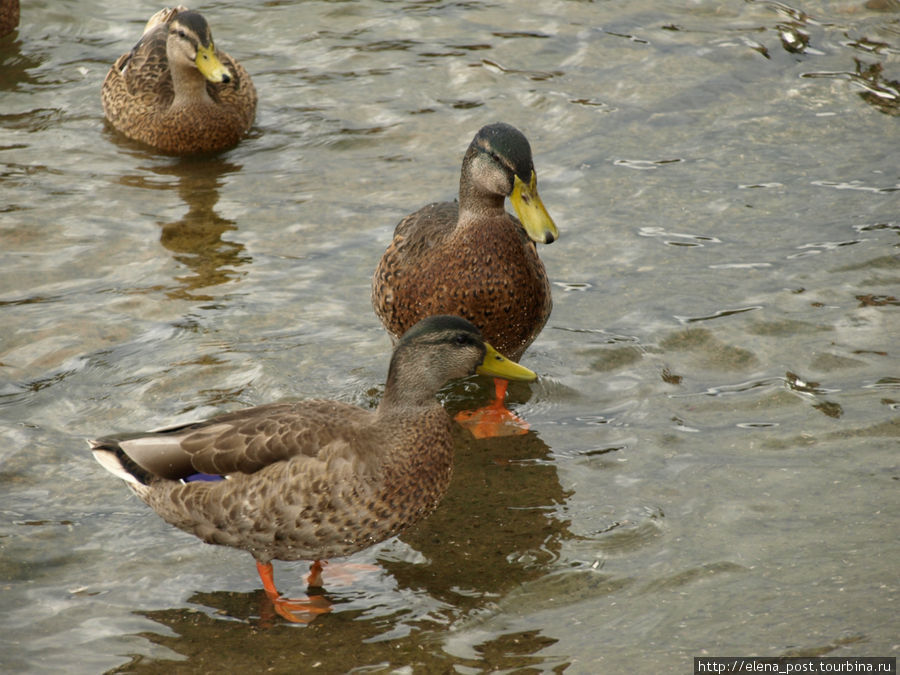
<point x="177" y="92"/>
<point x="315" y="479"/>
<point x="473" y="259"/>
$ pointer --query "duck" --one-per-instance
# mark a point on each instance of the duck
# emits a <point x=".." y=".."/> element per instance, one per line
<point x="472" y="258"/>
<point x="176" y="92"/>
<point x="315" y="479"/>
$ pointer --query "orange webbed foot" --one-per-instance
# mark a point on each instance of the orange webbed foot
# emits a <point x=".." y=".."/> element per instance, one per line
<point x="295" y="610"/>
<point x="494" y="419"/>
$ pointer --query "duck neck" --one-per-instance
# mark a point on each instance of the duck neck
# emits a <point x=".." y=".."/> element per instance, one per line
<point x="474" y="201"/>
<point x="188" y="84"/>
<point x="407" y="389"/>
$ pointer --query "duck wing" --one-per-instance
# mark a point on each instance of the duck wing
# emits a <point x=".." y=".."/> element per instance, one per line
<point x="243" y="441"/>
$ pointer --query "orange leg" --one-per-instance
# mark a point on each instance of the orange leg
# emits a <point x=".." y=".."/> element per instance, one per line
<point x="289" y="608"/>
<point x="493" y="419"/>
<point x="314" y="580"/>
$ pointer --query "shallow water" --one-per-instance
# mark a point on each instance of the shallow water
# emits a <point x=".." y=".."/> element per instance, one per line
<point x="712" y="467"/>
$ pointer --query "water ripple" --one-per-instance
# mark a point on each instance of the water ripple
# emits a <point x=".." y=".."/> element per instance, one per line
<point x="882" y="94"/>
<point x="855" y="185"/>
<point x="886" y="383"/>
<point x="717" y="315"/>
<point x="874" y="227"/>
<point x="567" y="286"/>
<point x="645" y="164"/>
<point x="536" y="75"/>
<point x="631" y="535"/>
<point x="520" y="34"/>
<point x="732" y="389"/>
<point x="630" y="38"/>
<point x="815" y="248"/>
<point x="590" y="102"/>
<point x="678" y="238"/>
<point x="610" y="338"/>
<point x="740" y="266"/>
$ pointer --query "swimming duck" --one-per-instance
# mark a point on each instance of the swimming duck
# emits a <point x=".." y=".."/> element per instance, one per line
<point x="176" y="92"/>
<point x="473" y="259"/>
<point x="315" y="479"/>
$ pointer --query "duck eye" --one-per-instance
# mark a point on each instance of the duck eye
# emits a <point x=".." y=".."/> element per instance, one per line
<point x="180" y="33"/>
<point x="461" y="339"/>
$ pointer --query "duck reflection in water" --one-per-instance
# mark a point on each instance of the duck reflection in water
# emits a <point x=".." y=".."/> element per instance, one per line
<point x="196" y="238"/>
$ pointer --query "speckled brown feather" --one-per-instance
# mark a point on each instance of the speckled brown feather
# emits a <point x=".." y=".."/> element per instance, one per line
<point x="486" y="271"/>
<point x="9" y="16"/>
<point x="138" y="93"/>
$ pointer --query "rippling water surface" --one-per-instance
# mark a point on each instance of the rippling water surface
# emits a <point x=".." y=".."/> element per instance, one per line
<point x="712" y="467"/>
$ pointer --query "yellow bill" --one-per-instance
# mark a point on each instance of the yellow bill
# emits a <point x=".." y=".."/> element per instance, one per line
<point x="208" y="64"/>
<point x="497" y="365"/>
<point x="530" y="209"/>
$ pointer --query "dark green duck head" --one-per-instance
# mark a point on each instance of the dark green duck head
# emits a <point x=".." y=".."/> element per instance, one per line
<point x="439" y="349"/>
<point x="497" y="165"/>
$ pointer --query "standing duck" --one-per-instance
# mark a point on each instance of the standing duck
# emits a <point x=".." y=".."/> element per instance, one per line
<point x="315" y="479"/>
<point x="176" y="92"/>
<point x="473" y="259"/>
